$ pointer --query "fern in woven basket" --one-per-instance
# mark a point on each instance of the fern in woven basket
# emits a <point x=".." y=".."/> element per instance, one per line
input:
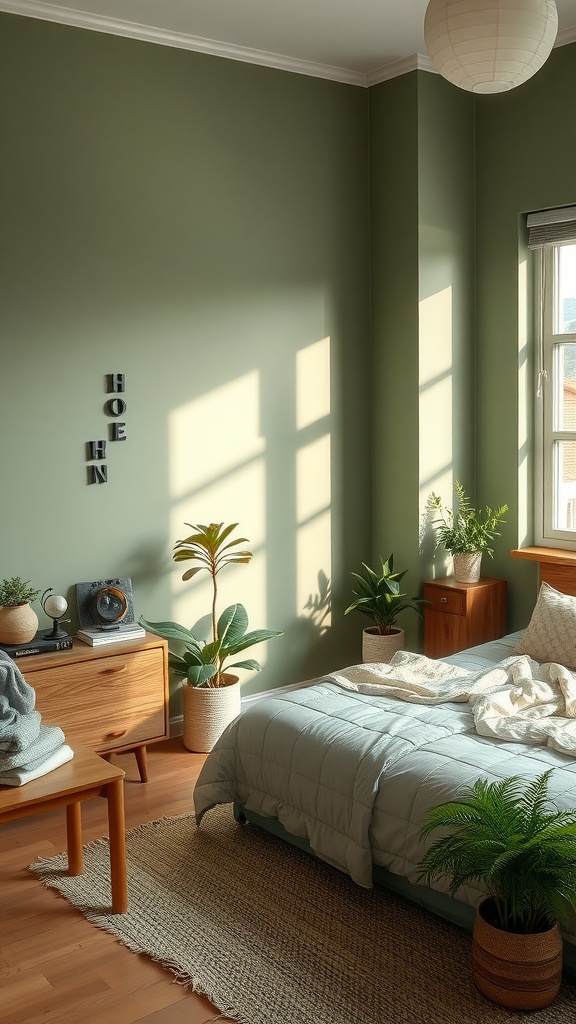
<point x="507" y="837"/>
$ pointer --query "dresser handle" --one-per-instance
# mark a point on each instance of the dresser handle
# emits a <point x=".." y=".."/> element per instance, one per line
<point x="115" y="735"/>
<point x="443" y="600"/>
<point x="114" y="671"/>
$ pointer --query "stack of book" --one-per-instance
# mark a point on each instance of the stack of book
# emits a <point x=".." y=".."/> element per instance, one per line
<point x="40" y="644"/>
<point x="111" y="635"/>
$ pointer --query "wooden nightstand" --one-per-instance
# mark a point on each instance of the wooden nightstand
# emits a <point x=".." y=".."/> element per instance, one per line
<point x="111" y="698"/>
<point x="462" y="615"/>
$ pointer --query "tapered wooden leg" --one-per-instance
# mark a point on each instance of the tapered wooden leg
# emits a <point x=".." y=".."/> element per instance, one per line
<point x="74" y="838"/>
<point x="117" y="833"/>
<point x="142" y="762"/>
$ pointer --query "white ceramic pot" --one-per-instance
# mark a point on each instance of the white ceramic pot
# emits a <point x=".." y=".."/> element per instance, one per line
<point x="207" y="710"/>
<point x="381" y="647"/>
<point x="467" y="567"/>
<point x="18" y="624"/>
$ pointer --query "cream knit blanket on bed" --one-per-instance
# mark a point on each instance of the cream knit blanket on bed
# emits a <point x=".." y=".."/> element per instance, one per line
<point x="515" y="699"/>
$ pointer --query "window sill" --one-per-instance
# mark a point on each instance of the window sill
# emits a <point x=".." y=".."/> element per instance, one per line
<point x="557" y="555"/>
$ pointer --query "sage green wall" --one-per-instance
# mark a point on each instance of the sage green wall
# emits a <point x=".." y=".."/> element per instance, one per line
<point x="394" y="217"/>
<point x="202" y="226"/>
<point x="422" y="204"/>
<point x="526" y="155"/>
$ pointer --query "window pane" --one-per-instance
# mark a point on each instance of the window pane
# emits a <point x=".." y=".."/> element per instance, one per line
<point x="566" y="311"/>
<point x="565" y="485"/>
<point x="565" y="386"/>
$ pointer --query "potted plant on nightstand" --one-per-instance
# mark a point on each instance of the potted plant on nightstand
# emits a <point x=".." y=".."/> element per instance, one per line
<point x="465" y="532"/>
<point x="210" y="693"/>
<point x="378" y="595"/>
<point x="507" y="837"/>
<point x="18" y="620"/>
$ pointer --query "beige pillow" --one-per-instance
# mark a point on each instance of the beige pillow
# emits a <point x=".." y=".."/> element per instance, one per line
<point x="551" y="632"/>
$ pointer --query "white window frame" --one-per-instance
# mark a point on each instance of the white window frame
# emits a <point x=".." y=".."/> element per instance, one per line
<point x="546" y="432"/>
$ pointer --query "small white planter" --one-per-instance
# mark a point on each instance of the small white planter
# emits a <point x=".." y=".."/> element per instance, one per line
<point x="377" y="647"/>
<point x="467" y="567"/>
<point x="207" y="711"/>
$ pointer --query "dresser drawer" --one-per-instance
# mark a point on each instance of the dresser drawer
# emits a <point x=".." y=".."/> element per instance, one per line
<point x="443" y="599"/>
<point x="110" y="701"/>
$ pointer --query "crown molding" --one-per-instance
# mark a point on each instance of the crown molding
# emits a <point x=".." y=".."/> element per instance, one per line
<point x="568" y="35"/>
<point x="417" y="62"/>
<point x="146" y="33"/>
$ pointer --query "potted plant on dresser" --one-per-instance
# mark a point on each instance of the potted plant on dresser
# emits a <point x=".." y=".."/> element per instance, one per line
<point x="18" y="620"/>
<point x="210" y="692"/>
<point x="378" y="595"/>
<point x="465" y="532"/>
<point x="508" y="838"/>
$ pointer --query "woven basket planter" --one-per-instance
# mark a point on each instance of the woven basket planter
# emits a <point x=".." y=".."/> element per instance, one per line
<point x="18" y="624"/>
<point x="207" y="711"/>
<point x="521" y="972"/>
<point x="381" y="647"/>
<point x="467" y="567"/>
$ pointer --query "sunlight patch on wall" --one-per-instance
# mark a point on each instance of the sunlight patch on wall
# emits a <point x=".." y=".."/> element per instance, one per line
<point x="217" y="474"/>
<point x="313" y="383"/>
<point x="313" y="554"/>
<point x="435" y="436"/>
<point x="313" y="477"/>
<point x="215" y="433"/>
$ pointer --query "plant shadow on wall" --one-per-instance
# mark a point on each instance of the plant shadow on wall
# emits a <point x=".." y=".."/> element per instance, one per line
<point x="319" y="605"/>
<point x="211" y="693"/>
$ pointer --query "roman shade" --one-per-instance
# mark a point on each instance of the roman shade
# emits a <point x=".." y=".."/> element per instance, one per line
<point x="551" y="227"/>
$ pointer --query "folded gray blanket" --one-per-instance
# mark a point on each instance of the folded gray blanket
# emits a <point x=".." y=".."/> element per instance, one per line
<point x="49" y="738"/>
<point x="19" y="723"/>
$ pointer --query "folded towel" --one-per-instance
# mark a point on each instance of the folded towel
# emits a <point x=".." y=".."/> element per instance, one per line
<point x="48" y="740"/>
<point x="19" y="777"/>
<point x="19" y="723"/>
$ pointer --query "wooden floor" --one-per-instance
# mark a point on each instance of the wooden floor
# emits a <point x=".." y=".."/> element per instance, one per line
<point x="54" y="965"/>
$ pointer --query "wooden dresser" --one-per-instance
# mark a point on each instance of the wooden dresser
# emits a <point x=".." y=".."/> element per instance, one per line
<point x="462" y="615"/>
<point x="110" y="698"/>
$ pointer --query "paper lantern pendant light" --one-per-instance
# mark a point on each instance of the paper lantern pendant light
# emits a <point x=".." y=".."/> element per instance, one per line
<point x="488" y="46"/>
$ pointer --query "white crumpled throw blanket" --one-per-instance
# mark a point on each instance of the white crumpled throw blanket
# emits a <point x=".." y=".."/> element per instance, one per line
<point x="515" y="699"/>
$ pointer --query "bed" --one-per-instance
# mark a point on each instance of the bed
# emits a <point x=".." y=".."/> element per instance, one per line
<point x="348" y="766"/>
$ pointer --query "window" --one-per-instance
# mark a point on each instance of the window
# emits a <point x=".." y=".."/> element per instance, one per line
<point x="555" y="464"/>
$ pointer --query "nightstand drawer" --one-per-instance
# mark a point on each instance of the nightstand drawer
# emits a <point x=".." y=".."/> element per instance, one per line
<point x="462" y="615"/>
<point x="106" y="697"/>
<point x="444" y="600"/>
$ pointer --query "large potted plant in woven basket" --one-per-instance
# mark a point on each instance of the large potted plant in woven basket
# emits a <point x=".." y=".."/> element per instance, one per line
<point x="510" y="839"/>
<point x="18" y="620"/>
<point x="466" y="532"/>
<point x="210" y="691"/>
<point x="378" y="594"/>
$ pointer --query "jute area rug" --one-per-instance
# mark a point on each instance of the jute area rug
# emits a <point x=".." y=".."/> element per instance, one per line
<point x="273" y="936"/>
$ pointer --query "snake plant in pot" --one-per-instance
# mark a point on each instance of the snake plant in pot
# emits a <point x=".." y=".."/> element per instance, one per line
<point x="378" y="594"/>
<point x="211" y="693"/>
<point x="508" y="838"/>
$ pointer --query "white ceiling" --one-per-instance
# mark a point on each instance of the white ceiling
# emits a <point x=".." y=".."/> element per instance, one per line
<point x="358" y="41"/>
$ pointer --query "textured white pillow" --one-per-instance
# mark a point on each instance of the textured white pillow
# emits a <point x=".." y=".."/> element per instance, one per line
<point x="551" y="632"/>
